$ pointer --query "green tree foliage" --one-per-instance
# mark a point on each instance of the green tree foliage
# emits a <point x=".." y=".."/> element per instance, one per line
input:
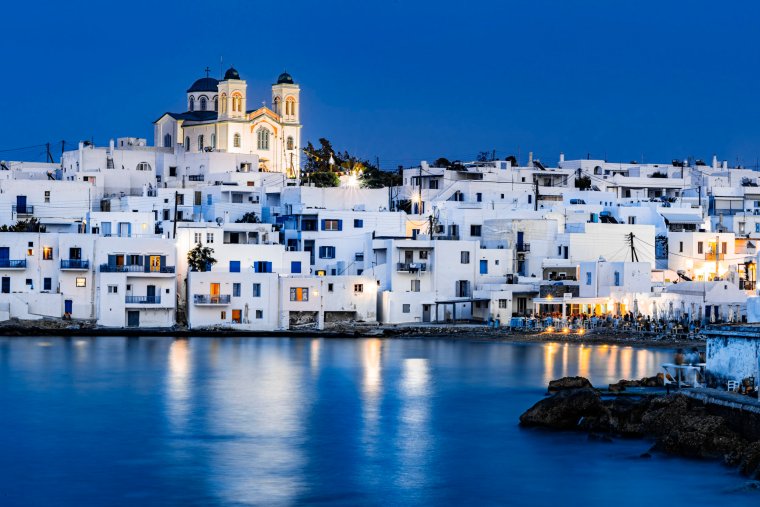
<point x="248" y="218"/>
<point x="377" y="178"/>
<point x="321" y="173"/>
<point x="31" y="225"/>
<point x="200" y="258"/>
<point x="583" y="183"/>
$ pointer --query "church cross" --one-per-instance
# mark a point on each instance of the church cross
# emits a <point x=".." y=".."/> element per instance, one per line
<point x="207" y="70"/>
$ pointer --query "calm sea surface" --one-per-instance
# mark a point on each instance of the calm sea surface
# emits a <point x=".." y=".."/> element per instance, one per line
<point x="237" y="422"/>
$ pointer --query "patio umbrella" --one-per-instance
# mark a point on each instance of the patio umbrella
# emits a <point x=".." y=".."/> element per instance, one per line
<point x="635" y="307"/>
<point x="245" y="313"/>
<point x="730" y="313"/>
<point x="654" y="311"/>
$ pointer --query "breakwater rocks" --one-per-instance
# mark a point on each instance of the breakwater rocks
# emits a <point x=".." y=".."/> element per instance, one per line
<point x="679" y="424"/>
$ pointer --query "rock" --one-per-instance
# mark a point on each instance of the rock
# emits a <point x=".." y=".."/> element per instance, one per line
<point x="750" y="462"/>
<point x="568" y="383"/>
<point x="564" y="410"/>
<point x="626" y="415"/>
<point x="616" y="388"/>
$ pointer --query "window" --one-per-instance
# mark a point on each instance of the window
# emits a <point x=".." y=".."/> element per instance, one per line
<point x="6" y="285"/>
<point x="724" y="247"/>
<point x="187" y="143"/>
<point x="224" y="103"/>
<point x="617" y="278"/>
<point x="327" y="252"/>
<point x="433" y="185"/>
<point x="47" y="253"/>
<point x="216" y="103"/>
<point x="29" y="282"/>
<point x="680" y="246"/>
<point x="209" y="199"/>
<point x="462" y="288"/>
<point x="475" y="230"/>
<point x="358" y="223"/>
<point x="262" y="267"/>
<point x="358" y="287"/>
<point x="757" y="227"/>
<point x="415" y="286"/>
<point x="700" y="247"/>
<point x="209" y="236"/>
<point x="237" y="316"/>
<point x="290" y="106"/>
<point x="200" y="142"/>
<point x="237" y="102"/>
<point x="299" y="294"/>
<point x="276" y="105"/>
<point x="192" y="103"/>
<point x="262" y="139"/>
<point x="502" y="303"/>
<point x="81" y="282"/>
<point x="479" y="197"/>
<point x="236" y="141"/>
<point x="329" y="287"/>
<point x="257" y="290"/>
<point x="223" y="315"/>
<point x="332" y="225"/>
<point x="173" y="172"/>
<point x="47" y="283"/>
<point x="234" y="266"/>
<point x="204" y="103"/>
<point x="464" y="257"/>
<point x="236" y="290"/>
<point x="143" y="166"/>
<point x="47" y="196"/>
<point x="631" y="220"/>
<point x="113" y="289"/>
<point x="295" y="267"/>
<point x="483" y="267"/>
<point x="588" y="277"/>
<point x="198" y="237"/>
<point x="423" y="255"/>
<point x="167" y="141"/>
<point x="290" y="143"/>
<point x="406" y="308"/>
<point x="259" y="314"/>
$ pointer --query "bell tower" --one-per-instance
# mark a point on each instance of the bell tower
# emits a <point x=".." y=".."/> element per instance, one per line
<point x="232" y="96"/>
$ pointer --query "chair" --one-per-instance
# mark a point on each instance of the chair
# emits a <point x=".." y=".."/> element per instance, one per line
<point x="733" y="386"/>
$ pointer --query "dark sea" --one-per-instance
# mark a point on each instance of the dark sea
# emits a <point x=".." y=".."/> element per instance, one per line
<point x="324" y="422"/>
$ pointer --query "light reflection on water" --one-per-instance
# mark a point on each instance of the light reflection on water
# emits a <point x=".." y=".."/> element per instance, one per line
<point x="228" y="422"/>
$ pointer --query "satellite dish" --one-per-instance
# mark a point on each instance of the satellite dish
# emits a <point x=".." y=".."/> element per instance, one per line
<point x="219" y="220"/>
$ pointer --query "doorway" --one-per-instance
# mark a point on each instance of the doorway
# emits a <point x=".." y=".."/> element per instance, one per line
<point x="133" y="318"/>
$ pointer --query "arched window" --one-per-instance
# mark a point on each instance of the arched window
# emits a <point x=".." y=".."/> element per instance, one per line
<point x="204" y="103"/>
<point x="213" y="141"/>
<point x="236" y="140"/>
<point x="237" y="102"/>
<point x="192" y="103"/>
<point x="143" y="166"/>
<point x="216" y="103"/>
<point x="200" y="142"/>
<point x="167" y="141"/>
<point x="290" y="142"/>
<point x="262" y="139"/>
<point x="290" y="106"/>
<point x="187" y="143"/>
<point x="276" y="105"/>
<point x="224" y="103"/>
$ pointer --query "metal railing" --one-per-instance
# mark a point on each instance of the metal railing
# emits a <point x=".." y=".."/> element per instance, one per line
<point x="12" y="263"/>
<point x="208" y="299"/>
<point x="23" y="210"/>
<point x="134" y="268"/>
<point x="523" y="247"/>
<point x="712" y="256"/>
<point x="74" y="264"/>
<point x="143" y="300"/>
<point x="411" y="267"/>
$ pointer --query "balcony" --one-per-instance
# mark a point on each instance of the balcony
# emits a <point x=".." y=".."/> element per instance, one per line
<point x="75" y="264"/>
<point x="12" y="263"/>
<point x="711" y="256"/>
<point x="411" y="267"/>
<point x="208" y="299"/>
<point x="523" y="247"/>
<point x="142" y="300"/>
<point x="22" y="211"/>
<point x="747" y="284"/>
<point x="135" y="268"/>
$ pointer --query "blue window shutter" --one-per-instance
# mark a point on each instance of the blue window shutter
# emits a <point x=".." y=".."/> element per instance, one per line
<point x="340" y="225"/>
<point x="323" y="224"/>
<point x="321" y="252"/>
<point x="111" y="260"/>
<point x="268" y="267"/>
<point x="163" y="261"/>
<point x="234" y="266"/>
<point x="295" y="267"/>
<point x="129" y="230"/>
<point x="483" y="267"/>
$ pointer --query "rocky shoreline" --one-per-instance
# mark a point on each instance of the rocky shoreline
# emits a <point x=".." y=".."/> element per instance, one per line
<point x="679" y="424"/>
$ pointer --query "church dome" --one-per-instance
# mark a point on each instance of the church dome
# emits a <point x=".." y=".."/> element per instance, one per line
<point x="204" y="84"/>
<point x="285" y="78"/>
<point x="231" y="74"/>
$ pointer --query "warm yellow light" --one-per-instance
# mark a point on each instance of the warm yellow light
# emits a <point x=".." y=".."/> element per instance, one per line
<point x="353" y="181"/>
<point x="549" y="297"/>
<point x="550" y="329"/>
<point x="581" y="331"/>
<point x="566" y="330"/>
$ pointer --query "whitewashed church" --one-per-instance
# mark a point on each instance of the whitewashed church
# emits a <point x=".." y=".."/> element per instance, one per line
<point x="218" y="120"/>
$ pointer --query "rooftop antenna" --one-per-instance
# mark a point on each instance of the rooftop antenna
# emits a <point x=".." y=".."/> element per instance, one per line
<point x="221" y="66"/>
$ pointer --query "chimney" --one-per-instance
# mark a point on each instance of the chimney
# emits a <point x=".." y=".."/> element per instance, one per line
<point x="724" y="165"/>
<point x="715" y="162"/>
<point x="561" y="157"/>
<point x="530" y="159"/>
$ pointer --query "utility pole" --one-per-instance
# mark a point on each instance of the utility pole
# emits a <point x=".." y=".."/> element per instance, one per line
<point x="430" y="226"/>
<point x="63" y="147"/>
<point x="176" y="199"/>
<point x="634" y="255"/>
<point x="47" y="152"/>
<point x="535" y="193"/>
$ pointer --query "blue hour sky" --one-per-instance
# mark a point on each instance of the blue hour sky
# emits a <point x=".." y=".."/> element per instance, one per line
<point x="403" y="80"/>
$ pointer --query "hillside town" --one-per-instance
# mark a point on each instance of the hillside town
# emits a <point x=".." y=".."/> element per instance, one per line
<point x="218" y="224"/>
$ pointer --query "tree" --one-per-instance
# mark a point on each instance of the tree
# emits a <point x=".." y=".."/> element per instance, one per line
<point x="248" y="218"/>
<point x="323" y="179"/>
<point x="442" y="162"/>
<point x="484" y="156"/>
<point x="200" y="258"/>
<point x="373" y="177"/>
<point x="31" y="225"/>
<point x="583" y="183"/>
<point x="512" y="160"/>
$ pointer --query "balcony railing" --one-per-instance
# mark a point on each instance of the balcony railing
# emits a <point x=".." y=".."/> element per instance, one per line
<point x="23" y="210"/>
<point x="208" y="299"/>
<point x="711" y="256"/>
<point x="523" y="247"/>
<point x="143" y="300"/>
<point x="13" y="263"/>
<point x="411" y="267"/>
<point x="134" y="268"/>
<point x="74" y="264"/>
<point x="747" y="284"/>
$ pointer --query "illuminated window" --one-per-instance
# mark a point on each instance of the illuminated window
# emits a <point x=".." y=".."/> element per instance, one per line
<point x="236" y="141"/>
<point x="290" y="142"/>
<point x="299" y="294"/>
<point x="223" y="315"/>
<point x="358" y="287"/>
<point x="290" y="106"/>
<point x="224" y="103"/>
<point x="47" y="253"/>
<point x="81" y="282"/>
